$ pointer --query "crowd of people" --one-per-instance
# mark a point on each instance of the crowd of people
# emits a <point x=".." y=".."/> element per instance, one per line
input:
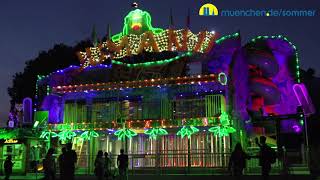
<point x="103" y="163"/>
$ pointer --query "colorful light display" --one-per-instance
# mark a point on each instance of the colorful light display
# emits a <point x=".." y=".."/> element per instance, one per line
<point x="87" y="135"/>
<point x="124" y="133"/>
<point x="47" y="134"/>
<point x="291" y="44"/>
<point x="136" y="84"/>
<point x="224" y="129"/>
<point x="187" y="131"/>
<point x="154" y="63"/>
<point x="138" y="35"/>
<point x="155" y="132"/>
<point x="65" y="135"/>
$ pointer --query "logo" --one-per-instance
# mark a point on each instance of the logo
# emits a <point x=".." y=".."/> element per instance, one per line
<point x="208" y="10"/>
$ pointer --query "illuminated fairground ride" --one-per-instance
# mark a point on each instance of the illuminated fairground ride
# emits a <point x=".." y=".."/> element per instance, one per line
<point x="171" y="98"/>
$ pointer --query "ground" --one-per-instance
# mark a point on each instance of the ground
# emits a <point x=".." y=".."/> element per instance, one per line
<point x="182" y="177"/>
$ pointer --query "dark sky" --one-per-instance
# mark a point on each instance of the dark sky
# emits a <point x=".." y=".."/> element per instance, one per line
<point x="28" y="27"/>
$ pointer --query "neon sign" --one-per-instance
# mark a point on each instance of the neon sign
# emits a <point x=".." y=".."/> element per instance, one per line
<point x="11" y="141"/>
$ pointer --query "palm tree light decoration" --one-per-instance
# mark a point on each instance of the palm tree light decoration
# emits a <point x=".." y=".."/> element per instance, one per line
<point x="46" y="134"/>
<point x="155" y="132"/>
<point x="224" y="129"/>
<point x="187" y="131"/>
<point x="124" y="133"/>
<point x="66" y="134"/>
<point x="87" y="135"/>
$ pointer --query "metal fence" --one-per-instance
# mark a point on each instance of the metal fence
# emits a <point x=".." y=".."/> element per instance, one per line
<point x="181" y="163"/>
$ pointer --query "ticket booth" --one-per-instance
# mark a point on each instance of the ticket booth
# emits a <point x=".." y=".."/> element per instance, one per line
<point x="17" y="149"/>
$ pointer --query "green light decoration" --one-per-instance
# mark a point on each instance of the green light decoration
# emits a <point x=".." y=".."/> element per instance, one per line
<point x="154" y="63"/>
<point x="136" y="22"/>
<point x="224" y="119"/>
<point x="187" y="131"/>
<point x="124" y="133"/>
<point x="290" y="43"/>
<point x="87" y="135"/>
<point x="224" y="129"/>
<point x="222" y="78"/>
<point x="8" y="134"/>
<point x="65" y="135"/>
<point x="220" y="40"/>
<point x="155" y="132"/>
<point x="46" y="134"/>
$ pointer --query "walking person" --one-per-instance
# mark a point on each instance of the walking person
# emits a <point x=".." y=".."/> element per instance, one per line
<point x="99" y="165"/>
<point x="122" y="162"/>
<point x="267" y="156"/>
<point x="71" y="159"/>
<point x="237" y="161"/>
<point x="62" y="163"/>
<point x="107" y="166"/>
<point x="49" y="165"/>
<point x="8" y="167"/>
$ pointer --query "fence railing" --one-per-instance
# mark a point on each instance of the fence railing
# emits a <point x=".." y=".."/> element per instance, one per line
<point x="180" y="163"/>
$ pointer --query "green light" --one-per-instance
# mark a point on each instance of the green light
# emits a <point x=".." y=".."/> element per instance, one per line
<point x="9" y="134"/>
<point x="46" y="134"/>
<point x="222" y="78"/>
<point x="301" y="122"/>
<point x="224" y="119"/>
<point x="87" y="135"/>
<point x="187" y="131"/>
<point x="224" y="129"/>
<point x="125" y="133"/>
<point x="155" y="132"/>
<point x="139" y="17"/>
<point x="220" y="40"/>
<point x="153" y="63"/>
<point x="65" y="135"/>
<point x="35" y="124"/>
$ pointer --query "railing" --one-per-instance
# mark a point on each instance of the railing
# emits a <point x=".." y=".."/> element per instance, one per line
<point x="181" y="163"/>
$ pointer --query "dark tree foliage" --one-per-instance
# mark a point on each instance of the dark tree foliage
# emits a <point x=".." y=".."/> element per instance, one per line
<point x="59" y="57"/>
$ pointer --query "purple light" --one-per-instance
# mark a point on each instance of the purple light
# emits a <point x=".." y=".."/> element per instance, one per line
<point x="296" y="128"/>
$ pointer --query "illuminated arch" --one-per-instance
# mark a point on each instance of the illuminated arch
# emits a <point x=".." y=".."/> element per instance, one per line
<point x="208" y="10"/>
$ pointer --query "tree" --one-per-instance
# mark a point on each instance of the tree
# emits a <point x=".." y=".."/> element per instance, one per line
<point x="59" y="57"/>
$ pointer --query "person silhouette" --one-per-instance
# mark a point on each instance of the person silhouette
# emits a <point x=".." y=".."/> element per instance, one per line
<point x="237" y="160"/>
<point x="8" y="167"/>
<point x="62" y="163"/>
<point x="122" y="162"/>
<point x="266" y="157"/>
<point x="71" y="159"/>
<point x="49" y="165"/>
<point x="107" y="165"/>
<point x="99" y="165"/>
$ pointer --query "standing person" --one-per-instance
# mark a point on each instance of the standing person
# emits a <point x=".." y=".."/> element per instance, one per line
<point x="8" y="167"/>
<point x="49" y="165"/>
<point x="107" y="165"/>
<point x="99" y="166"/>
<point x="237" y="160"/>
<point x="122" y="162"/>
<point x="267" y="156"/>
<point x="71" y="159"/>
<point x="62" y="163"/>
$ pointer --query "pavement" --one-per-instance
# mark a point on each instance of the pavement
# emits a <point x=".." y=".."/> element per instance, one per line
<point x="182" y="177"/>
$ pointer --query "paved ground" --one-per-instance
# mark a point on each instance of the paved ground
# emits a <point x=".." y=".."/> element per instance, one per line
<point x="182" y="177"/>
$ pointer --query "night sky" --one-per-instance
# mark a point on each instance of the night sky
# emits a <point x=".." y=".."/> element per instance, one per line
<point x="28" y="27"/>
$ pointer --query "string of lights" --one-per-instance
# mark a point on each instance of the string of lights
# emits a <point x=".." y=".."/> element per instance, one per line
<point x="199" y="79"/>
